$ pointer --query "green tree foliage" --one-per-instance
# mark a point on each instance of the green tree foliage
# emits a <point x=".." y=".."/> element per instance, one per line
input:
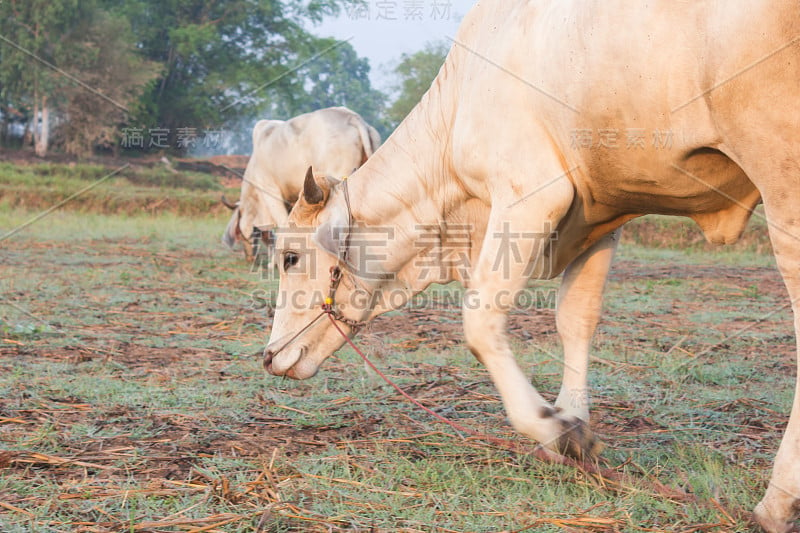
<point x="111" y="66"/>
<point x="173" y="65"/>
<point x="229" y="63"/>
<point x="211" y="54"/>
<point x="37" y="35"/>
<point x="415" y="73"/>
<point x="72" y="60"/>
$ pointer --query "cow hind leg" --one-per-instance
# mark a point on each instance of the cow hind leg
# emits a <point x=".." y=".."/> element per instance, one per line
<point x="780" y="190"/>
<point x="580" y="300"/>
<point x="780" y="506"/>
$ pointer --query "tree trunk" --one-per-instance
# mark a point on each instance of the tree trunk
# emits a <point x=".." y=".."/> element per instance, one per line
<point x="34" y="122"/>
<point x="43" y="139"/>
<point x="27" y="135"/>
<point x="4" y="126"/>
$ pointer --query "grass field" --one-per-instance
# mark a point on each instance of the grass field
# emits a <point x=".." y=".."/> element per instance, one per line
<point x="131" y="398"/>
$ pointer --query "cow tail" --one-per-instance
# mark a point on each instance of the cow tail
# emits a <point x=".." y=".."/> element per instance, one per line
<point x="374" y="137"/>
<point x="366" y="141"/>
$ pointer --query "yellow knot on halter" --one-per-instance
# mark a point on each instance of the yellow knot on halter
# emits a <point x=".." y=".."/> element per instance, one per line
<point x="344" y="178"/>
<point x="328" y="300"/>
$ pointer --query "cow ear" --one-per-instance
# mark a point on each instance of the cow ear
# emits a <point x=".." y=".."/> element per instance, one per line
<point x="232" y="231"/>
<point x="312" y="192"/>
<point x="329" y="238"/>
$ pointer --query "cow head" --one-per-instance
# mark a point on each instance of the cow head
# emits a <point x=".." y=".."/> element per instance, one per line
<point x="306" y="252"/>
<point x="233" y="232"/>
<point x="240" y="228"/>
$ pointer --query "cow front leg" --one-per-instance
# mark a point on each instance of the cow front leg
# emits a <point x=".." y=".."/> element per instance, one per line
<point x="780" y="507"/>
<point x="528" y="412"/>
<point x="580" y="301"/>
<point x="514" y="249"/>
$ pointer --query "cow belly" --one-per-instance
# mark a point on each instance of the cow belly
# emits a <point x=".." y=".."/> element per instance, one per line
<point x="703" y="184"/>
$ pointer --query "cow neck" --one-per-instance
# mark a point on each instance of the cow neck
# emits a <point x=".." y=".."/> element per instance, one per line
<point x="407" y="187"/>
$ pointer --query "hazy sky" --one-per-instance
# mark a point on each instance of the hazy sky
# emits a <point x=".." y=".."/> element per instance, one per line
<point x="382" y="30"/>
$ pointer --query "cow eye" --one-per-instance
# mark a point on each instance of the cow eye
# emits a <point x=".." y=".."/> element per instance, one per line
<point x="290" y="259"/>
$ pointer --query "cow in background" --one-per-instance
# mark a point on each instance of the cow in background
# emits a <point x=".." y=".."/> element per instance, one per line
<point x="333" y="140"/>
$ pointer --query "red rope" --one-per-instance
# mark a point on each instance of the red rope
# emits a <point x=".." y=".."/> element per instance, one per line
<point x="405" y="395"/>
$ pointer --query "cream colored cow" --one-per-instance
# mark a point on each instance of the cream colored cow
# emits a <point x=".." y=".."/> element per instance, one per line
<point x="550" y="125"/>
<point x="336" y="140"/>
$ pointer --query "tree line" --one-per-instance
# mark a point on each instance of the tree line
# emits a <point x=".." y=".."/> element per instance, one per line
<point x="88" y="75"/>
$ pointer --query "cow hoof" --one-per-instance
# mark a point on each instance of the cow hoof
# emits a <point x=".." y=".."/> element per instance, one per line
<point x="577" y="440"/>
<point x="770" y="524"/>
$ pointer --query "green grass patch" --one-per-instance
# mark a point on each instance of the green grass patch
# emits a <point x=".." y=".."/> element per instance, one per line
<point x="54" y="175"/>
<point x="113" y="190"/>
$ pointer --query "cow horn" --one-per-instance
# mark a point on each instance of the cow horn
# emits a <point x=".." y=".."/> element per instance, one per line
<point x="227" y="204"/>
<point x="312" y="192"/>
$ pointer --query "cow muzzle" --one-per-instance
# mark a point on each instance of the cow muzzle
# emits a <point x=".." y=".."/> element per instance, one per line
<point x="292" y="362"/>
